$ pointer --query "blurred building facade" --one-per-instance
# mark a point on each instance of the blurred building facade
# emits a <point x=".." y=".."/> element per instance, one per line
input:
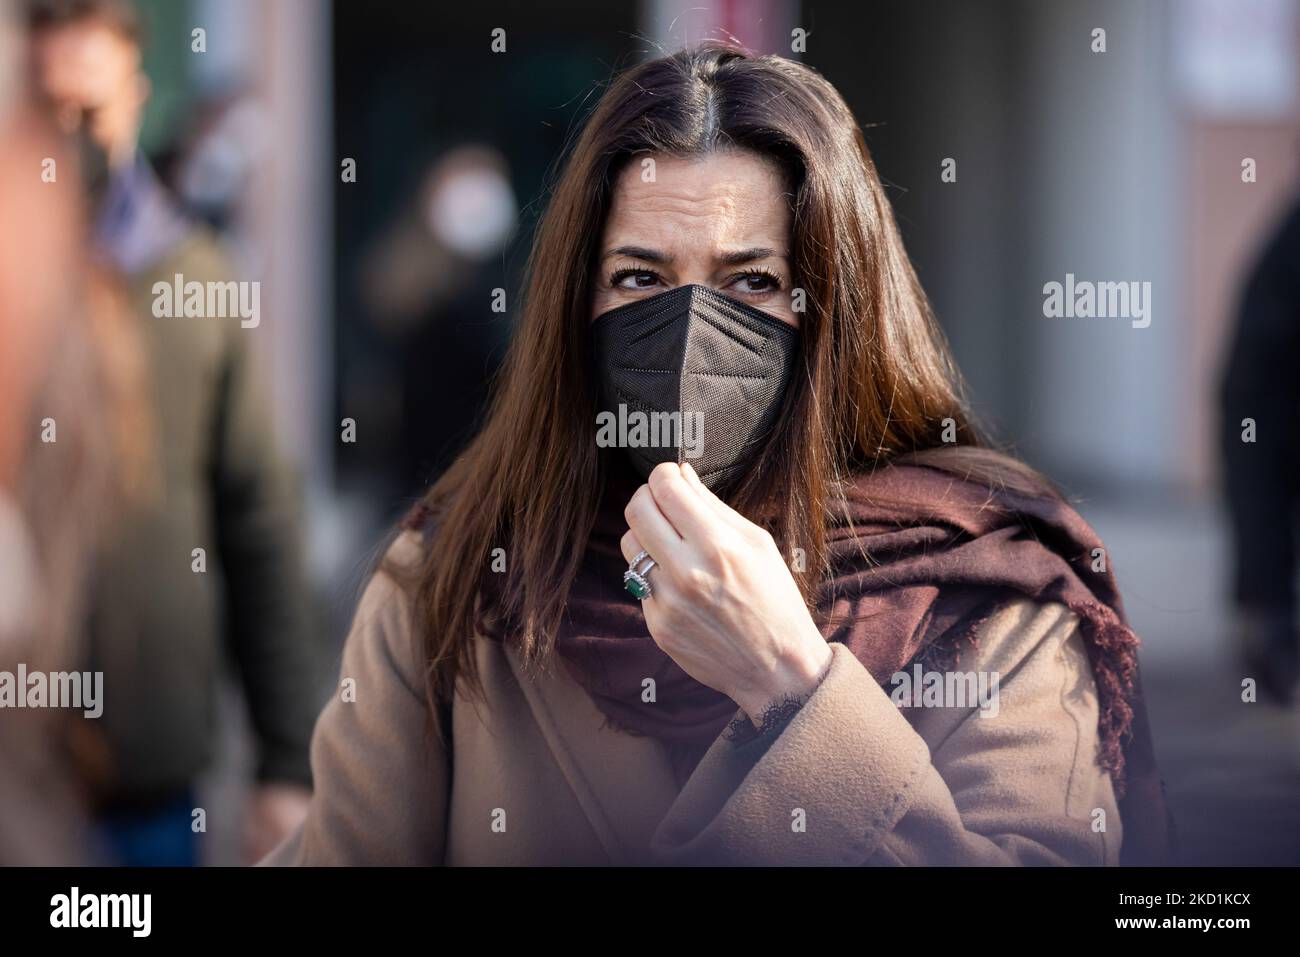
<point x="1122" y="165"/>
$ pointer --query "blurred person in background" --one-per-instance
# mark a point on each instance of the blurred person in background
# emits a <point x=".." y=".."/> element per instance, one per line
<point x="70" y="372"/>
<point x="214" y="163"/>
<point x="429" y="288"/>
<point x="156" y="622"/>
<point x="1262" y="476"/>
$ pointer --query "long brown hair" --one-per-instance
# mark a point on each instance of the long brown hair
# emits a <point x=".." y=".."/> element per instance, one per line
<point x="875" y="380"/>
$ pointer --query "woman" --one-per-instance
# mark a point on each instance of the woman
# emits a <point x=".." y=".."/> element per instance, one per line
<point x="689" y="640"/>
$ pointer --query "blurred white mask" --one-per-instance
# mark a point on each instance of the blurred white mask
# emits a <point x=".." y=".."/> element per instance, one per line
<point x="472" y="212"/>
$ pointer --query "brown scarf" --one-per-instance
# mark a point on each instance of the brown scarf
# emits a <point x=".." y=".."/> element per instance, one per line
<point x="944" y="553"/>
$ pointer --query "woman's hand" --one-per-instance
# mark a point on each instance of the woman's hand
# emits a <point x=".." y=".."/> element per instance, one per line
<point x="724" y="605"/>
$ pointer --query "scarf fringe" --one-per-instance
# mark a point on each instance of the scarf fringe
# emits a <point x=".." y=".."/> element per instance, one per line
<point x="1112" y="652"/>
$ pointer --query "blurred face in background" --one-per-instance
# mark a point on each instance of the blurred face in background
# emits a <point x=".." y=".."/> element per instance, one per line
<point x="89" y="71"/>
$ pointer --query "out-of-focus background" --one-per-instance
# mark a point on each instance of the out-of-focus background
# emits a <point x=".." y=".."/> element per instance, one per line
<point x="379" y="167"/>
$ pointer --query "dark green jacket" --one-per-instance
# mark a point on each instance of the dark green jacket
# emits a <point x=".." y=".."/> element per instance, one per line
<point x="161" y="631"/>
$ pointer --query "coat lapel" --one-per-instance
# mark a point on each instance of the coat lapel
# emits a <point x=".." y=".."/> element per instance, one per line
<point x="624" y="783"/>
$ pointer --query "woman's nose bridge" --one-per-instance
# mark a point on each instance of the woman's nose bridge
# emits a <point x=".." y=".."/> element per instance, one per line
<point x="698" y="272"/>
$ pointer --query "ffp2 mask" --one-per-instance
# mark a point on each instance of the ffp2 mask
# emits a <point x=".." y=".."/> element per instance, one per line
<point x="691" y="375"/>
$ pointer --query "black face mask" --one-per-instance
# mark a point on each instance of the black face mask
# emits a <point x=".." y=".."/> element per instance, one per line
<point x="93" y="159"/>
<point x="719" y="364"/>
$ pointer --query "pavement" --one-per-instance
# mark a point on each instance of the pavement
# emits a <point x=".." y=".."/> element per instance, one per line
<point x="1231" y="768"/>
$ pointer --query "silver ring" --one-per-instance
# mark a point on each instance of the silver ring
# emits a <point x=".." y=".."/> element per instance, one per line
<point x="636" y="579"/>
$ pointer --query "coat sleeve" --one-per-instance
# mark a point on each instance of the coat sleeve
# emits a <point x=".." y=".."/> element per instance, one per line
<point x="850" y="780"/>
<point x="381" y="775"/>
<point x="256" y="497"/>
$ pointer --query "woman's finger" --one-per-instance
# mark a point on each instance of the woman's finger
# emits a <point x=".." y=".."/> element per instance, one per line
<point x="719" y="508"/>
<point x="630" y="546"/>
<point x="694" y="520"/>
<point x="655" y="533"/>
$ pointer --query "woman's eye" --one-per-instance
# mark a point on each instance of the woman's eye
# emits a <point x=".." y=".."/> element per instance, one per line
<point x="758" y="282"/>
<point x="634" y="279"/>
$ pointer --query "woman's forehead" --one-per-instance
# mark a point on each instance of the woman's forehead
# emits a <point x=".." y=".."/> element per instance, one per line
<point x="731" y="198"/>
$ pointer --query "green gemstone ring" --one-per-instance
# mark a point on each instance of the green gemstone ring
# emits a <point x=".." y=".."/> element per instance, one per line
<point x="636" y="579"/>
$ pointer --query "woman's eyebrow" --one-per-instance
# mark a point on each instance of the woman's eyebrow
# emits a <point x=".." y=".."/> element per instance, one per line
<point x="745" y="255"/>
<point x="733" y="258"/>
<point x="640" y="252"/>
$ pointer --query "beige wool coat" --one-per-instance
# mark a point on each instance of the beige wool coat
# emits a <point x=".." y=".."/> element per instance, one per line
<point x="536" y="777"/>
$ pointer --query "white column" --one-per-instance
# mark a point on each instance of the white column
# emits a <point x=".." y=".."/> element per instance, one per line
<point x="294" y="212"/>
